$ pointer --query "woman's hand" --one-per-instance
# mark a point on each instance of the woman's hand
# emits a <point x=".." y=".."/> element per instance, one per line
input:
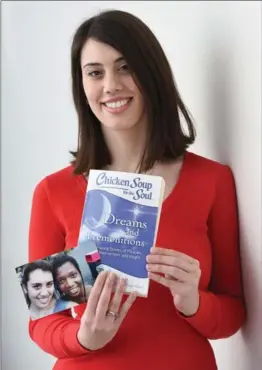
<point x="103" y="315"/>
<point x="181" y="274"/>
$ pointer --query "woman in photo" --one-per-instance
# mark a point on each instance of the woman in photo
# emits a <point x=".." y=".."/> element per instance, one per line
<point x="132" y="118"/>
<point x="38" y="286"/>
<point x="69" y="280"/>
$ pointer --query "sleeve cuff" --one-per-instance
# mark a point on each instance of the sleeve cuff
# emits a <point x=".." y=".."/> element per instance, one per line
<point x="71" y="340"/>
<point x="200" y="319"/>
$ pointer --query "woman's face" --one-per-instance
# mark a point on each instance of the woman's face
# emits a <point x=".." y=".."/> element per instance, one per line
<point x="110" y="89"/>
<point x="69" y="280"/>
<point x="40" y="288"/>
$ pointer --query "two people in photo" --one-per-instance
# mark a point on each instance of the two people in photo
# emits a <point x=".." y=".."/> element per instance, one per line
<point x="53" y="285"/>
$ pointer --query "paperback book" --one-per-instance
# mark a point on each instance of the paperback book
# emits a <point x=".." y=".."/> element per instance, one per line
<point x="119" y="224"/>
<point x="118" y="227"/>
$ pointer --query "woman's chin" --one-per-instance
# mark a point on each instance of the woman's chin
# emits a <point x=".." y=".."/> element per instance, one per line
<point x="118" y="126"/>
<point x="43" y="305"/>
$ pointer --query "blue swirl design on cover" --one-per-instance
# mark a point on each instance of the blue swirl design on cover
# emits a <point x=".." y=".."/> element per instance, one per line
<point x="117" y="221"/>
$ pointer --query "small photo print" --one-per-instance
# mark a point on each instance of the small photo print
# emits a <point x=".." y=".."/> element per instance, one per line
<point x="60" y="281"/>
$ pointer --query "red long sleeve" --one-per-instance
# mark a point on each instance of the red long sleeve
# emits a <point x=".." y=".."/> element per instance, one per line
<point x="55" y="334"/>
<point x="221" y="311"/>
<point x="198" y="218"/>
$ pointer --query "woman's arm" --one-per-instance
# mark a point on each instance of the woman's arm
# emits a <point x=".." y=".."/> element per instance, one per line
<point x="55" y="334"/>
<point x="222" y="311"/>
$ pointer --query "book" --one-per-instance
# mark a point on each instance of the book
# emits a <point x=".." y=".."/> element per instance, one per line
<point x="119" y="224"/>
<point x="118" y="227"/>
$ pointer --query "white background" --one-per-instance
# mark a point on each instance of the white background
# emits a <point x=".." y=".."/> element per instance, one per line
<point x="215" y="52"/>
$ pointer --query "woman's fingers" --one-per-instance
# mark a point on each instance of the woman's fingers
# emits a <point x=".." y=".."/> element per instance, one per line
<point x="172" y="253"/>
<point x="174" y="272"/>
<point x="117" y="298"/>
<point x="105" y="296"/>
<point x="167" y="282"/>
<point x="102" y="300"/>
<point x="171" y="261"/>
<point x="95" y="294"/>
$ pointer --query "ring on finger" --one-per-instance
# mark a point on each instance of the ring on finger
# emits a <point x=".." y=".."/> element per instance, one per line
<point x="112" y="313"/>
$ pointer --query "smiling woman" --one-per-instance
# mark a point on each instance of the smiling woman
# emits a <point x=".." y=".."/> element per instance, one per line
<point x="38" y="284"/>
<point x="129" y="119"/>
<point x="39" y="289"/>
<point x="122" y="84"/>
<point x="68" y="279"/>
<point x="111" y="73"/>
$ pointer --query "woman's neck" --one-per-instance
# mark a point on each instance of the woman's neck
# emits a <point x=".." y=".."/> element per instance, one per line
<point x="126" y="148"/>
<point x="80" y="299"/>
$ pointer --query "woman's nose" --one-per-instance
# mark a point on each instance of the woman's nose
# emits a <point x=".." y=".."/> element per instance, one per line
<point x="69" y="283"/>
<point x="44" y="292"/>
<point x="112" y="84"/>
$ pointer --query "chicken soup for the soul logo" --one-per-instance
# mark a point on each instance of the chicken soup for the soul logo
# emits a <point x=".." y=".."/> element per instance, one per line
<point x="140" y="189"/>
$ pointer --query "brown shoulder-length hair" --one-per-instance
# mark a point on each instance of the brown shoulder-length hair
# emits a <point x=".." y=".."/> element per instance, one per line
<point x="166" y="139"/>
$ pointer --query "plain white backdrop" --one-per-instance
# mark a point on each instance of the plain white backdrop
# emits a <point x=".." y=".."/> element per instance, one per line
<point x="215" y="52"/>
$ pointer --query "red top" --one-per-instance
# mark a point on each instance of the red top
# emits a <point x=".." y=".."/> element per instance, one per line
<point x="198" y="218"/>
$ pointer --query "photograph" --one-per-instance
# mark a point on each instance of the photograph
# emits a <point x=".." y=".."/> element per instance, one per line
<point x="60" y="281"/>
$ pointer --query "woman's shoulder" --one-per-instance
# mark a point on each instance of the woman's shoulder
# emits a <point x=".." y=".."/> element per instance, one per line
<point x="65" y="174"/>
<point x="64" y="305"/>
<point x="60" y="181"/>
<point x="206" y="166"/>
<point x="208" y="174"/>
<point x="204" y="161"/>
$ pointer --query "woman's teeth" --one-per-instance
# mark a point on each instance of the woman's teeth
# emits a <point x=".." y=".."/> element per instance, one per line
<point x="73" y="290"/>
<point x="117" y="104"/>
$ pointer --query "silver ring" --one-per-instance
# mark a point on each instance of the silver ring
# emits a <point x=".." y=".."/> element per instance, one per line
<point x="114" y="314"/>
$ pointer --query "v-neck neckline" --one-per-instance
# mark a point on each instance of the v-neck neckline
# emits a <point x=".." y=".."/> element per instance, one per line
<point x="174" y="193"/>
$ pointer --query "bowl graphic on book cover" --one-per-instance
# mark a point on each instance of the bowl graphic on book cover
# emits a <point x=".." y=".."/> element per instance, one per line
<point x="102" y="214"/>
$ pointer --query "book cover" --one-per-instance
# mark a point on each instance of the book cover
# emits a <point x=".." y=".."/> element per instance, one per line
<point x="118" y="228"/>
<point x="120" y="222"/>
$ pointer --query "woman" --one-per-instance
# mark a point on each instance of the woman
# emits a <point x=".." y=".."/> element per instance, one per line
<point x="69" y="280"/>
<point x="38" y="286"/>
<point x="129" y="113"/>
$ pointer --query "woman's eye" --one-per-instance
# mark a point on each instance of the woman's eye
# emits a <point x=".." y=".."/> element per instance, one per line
<point x="94" y="73"/>
<point x="124" y="67"/>
<point x="38" y="286"/>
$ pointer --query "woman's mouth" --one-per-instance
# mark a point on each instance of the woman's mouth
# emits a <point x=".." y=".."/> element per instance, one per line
<point x="74" y="291"/>
<point x="117" y="106"/>
<point x="44" y="300"/>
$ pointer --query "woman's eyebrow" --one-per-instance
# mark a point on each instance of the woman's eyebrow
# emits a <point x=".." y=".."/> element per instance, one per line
<point x="96" y="64"/>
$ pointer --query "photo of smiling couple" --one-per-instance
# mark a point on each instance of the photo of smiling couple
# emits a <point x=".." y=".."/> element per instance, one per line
<point x="58" y="282"/>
